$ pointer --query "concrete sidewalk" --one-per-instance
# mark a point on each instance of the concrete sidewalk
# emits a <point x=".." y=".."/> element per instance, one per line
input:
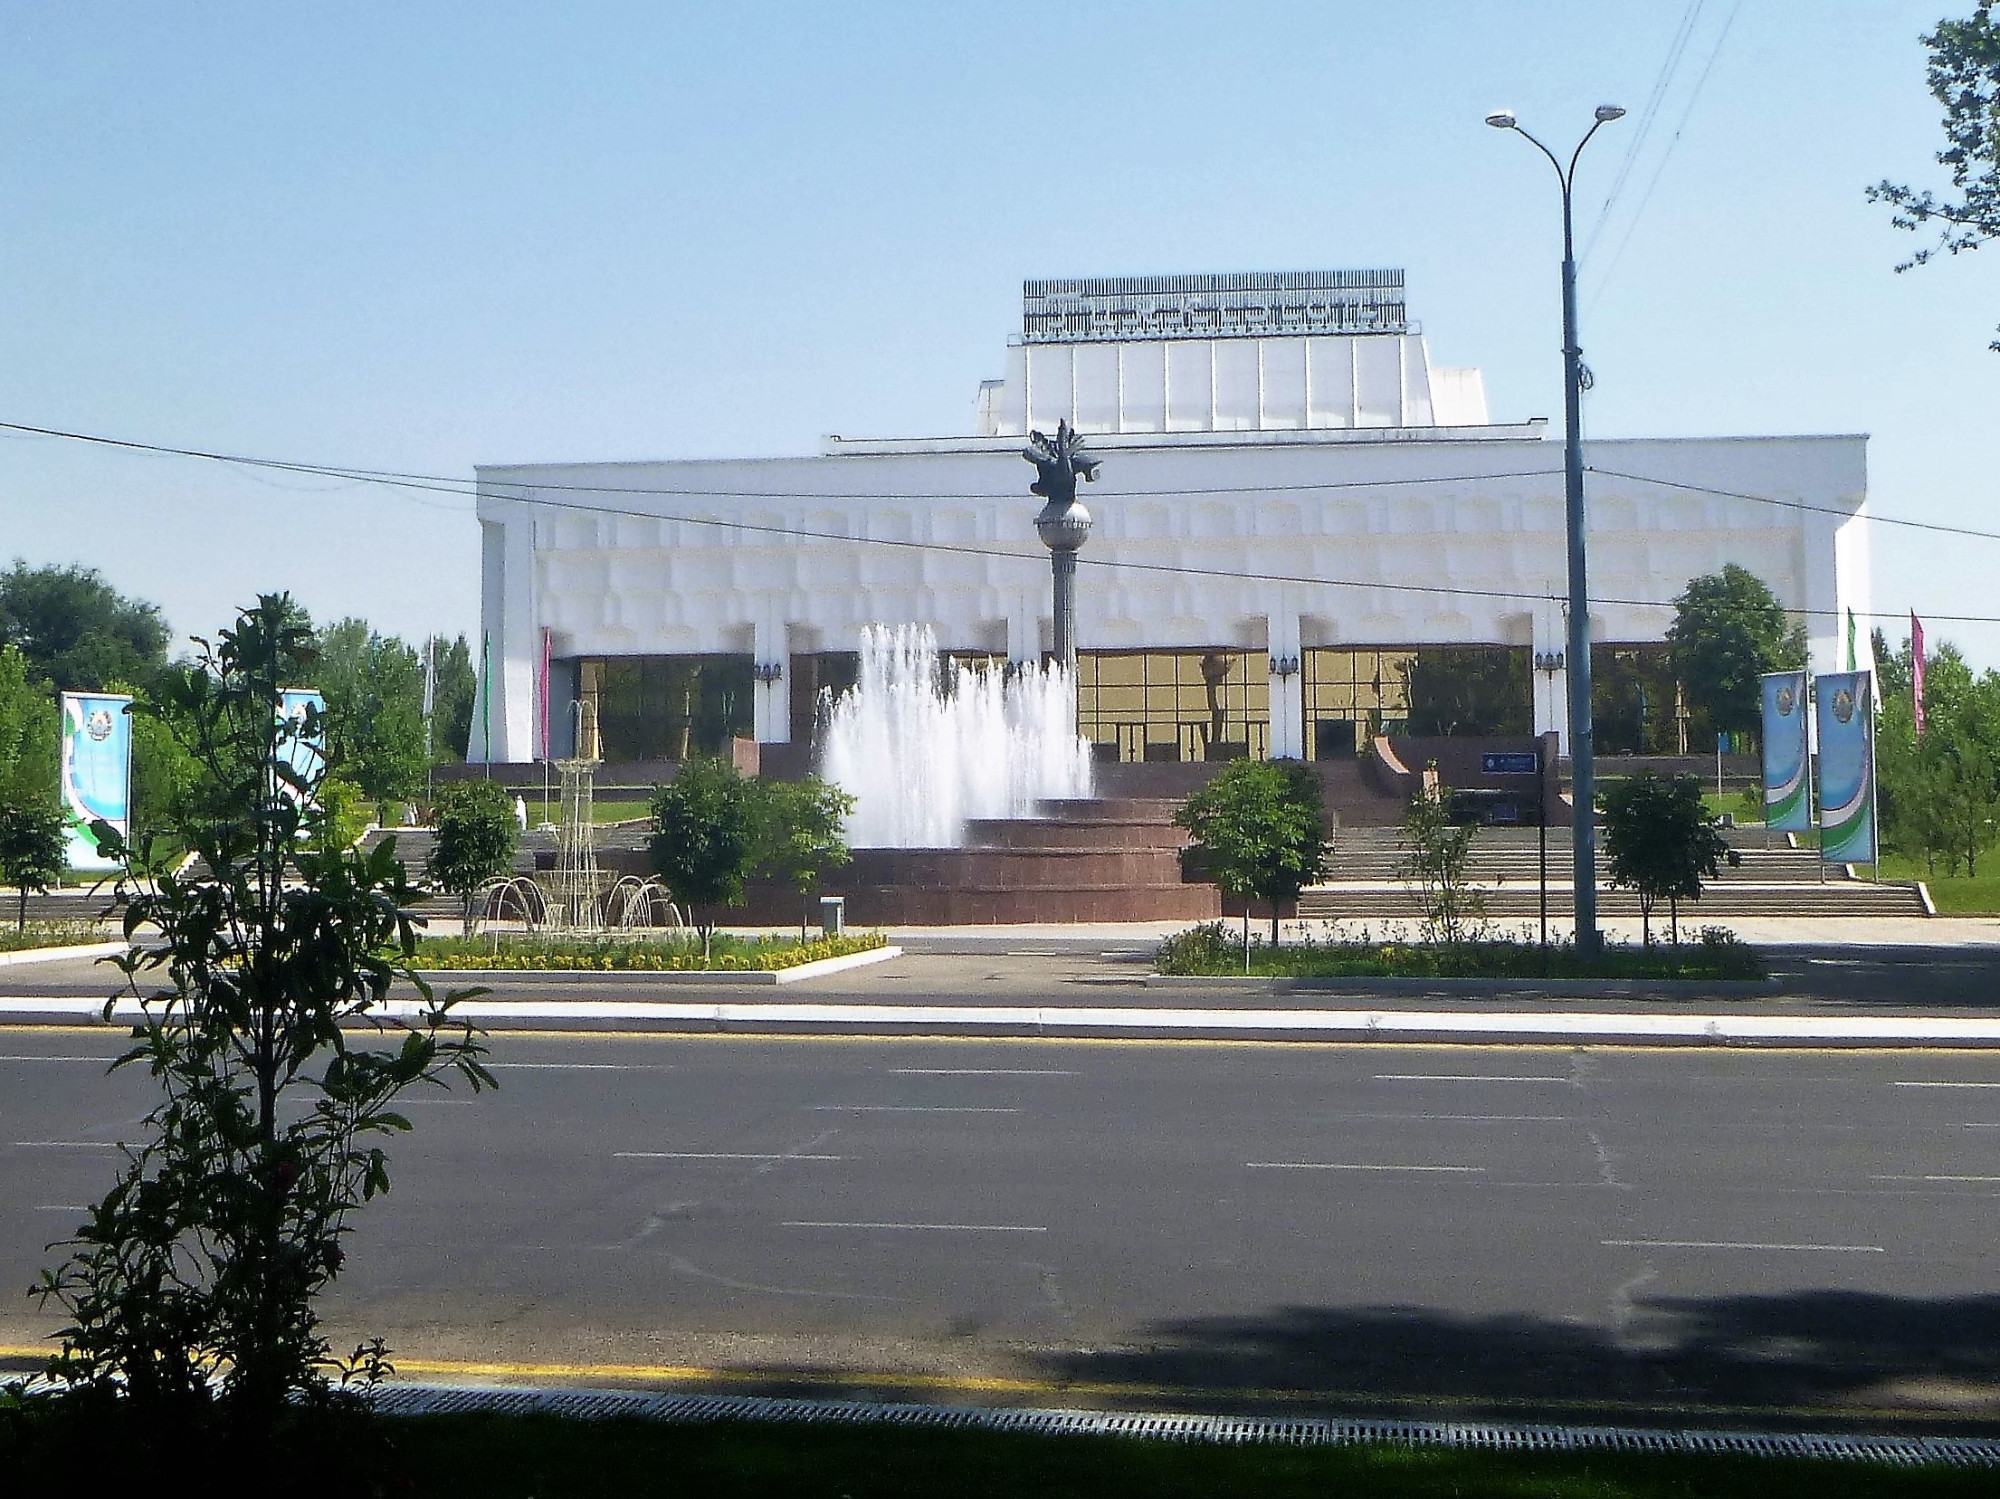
<point x="748" y="1017"/>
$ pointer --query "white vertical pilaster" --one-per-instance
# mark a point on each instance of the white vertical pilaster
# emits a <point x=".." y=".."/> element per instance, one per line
<point x="771" y="702"/>
<point x="1551" y="689"/>
<point x="1024" y="629"/>
<point x="1287" y="689"/>
<point x="508" y="653"/>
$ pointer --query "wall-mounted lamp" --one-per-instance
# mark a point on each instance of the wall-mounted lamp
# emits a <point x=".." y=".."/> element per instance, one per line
<point x="1549" y="661"/>
<point x="1284" y="666"/>
<point x="769" y="671"/>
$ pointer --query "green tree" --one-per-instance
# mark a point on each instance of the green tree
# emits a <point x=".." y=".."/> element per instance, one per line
<point x="191" y="1293"/>
<point x="76" y="630"/>
<point x="451" y="705"/>
<point x="1659" y="842"/>
<point x="374" y="690"/>
<point x="705" y="839"/>
<point x="1728" y="630"/>
<point x="32" y="852"/>
<point x="1469" y="690"/>
<point x="800" y="835"/>
<point x="476" y="834"/>
<point x="30" y="732"/>
<point x="1257" y="831"/>
<point x="1964" y="75"/>
<point x="1938" y="794"/>
<point x="1437" y="859"/>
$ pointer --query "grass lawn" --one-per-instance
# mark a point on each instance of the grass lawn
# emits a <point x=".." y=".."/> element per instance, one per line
<point x="666" y="952"/>
<point x="1956" y="895"/>
<point x="498" y="1457"/>
<point x="1214" y="949"/>
<point x="600" y="812"/>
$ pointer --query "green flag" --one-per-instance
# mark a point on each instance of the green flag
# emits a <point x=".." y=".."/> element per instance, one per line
<point x="486" y="695"/>
<point x="1851" y="664"/>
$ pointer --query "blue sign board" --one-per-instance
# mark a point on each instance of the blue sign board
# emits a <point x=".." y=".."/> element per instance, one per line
<point x="1510" y="762"/>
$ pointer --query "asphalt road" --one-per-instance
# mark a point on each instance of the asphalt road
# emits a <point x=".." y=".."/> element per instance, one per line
<point x="1594" y="1232"/>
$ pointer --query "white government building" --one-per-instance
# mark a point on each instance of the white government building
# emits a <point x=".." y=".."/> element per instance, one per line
<point x="1294" y="505"/>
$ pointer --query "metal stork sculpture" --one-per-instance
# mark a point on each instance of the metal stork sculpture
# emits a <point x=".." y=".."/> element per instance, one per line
<point x="1063" y="524"/>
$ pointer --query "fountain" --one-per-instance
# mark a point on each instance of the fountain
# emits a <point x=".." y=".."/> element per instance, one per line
<point x="924" y="746"/>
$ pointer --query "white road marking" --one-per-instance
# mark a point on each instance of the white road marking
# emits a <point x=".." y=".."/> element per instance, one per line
<point x="1348" y="1166"/>
<point x="65" y="1144"/>
<point x="717" y="1156"/>
<point x="980" y="1072"/>
<point x="30" y="1057"/>
<point x="1461" y="1077"/>
<point x="1938" y="1178"/>
<point x="1460" y="1118"/>
<point x="1723" y="1244"/>
<point x="581" y="1066"/>
<point x="1945" y="1085"/>
<point x="902" y="1108"/>
<point x="938" y="1228"/>
<point x="61" y="1207"/>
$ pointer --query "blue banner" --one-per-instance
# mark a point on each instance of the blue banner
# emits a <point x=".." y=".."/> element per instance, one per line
<point x="96" y="773"/>
<point x="1787" y="761"/>
<point x="1846" y="718"/>
<point x="304" y="752"/>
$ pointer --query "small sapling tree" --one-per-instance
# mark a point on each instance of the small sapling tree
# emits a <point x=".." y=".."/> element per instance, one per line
<point x="191" y="1292"/>
<point x="1256" y="828"/>
<point x="31" y="850"/>
<point x="476" y="833"/>
<point x="800" y="835"/>
<point x="1659" y="842"/>
<point x="1437" y="859"/>
<point x="706" y="824"/>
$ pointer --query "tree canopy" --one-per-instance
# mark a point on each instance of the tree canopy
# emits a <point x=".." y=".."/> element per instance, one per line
<point x="1257" y="831"/>
<point x="1938" y="794"/>
<point x="1728" y="630"/>
<point x="1469" y="690"/>
<point x="475" y="841"/>
<point x="77" y="632"/>
<point x="1964" y="75"/>
<point x="1658" y="842"/>
<point x="373" y="685"/>
<point x="705" y="843"/>
<point x="32" y="849"/>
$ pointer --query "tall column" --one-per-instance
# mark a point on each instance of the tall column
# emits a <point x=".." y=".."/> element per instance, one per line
<point x="1063" y="524"/>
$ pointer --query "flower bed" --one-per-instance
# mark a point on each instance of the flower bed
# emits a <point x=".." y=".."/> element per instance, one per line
<point x="52" y="934"/>
<point x="665" y="954"/>
<point x="1216" y="950"/>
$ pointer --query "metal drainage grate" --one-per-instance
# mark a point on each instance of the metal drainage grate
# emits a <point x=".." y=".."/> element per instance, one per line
<point x="432" y="1400"/>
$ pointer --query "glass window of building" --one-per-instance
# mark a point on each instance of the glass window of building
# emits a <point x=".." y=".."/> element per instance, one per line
<point x="1174" y="705"/>
<point x="667" y="707"/>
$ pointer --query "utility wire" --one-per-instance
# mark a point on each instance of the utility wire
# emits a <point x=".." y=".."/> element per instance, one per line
<point x="1643" y="125"/>
<point x="448" y="485"/>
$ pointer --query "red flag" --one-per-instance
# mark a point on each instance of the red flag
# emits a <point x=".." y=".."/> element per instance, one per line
<point x="1917" y="671"/>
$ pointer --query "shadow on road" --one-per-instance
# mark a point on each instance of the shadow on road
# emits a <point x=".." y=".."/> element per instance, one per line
<point x="1814" y="1355"/>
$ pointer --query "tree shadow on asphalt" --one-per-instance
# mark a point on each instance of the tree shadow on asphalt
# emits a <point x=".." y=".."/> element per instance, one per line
<point x="1825" y="1353"/>
<point x="1931" y="979"/>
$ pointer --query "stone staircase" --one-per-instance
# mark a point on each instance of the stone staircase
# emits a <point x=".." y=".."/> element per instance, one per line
<point x="1771" y="879"/>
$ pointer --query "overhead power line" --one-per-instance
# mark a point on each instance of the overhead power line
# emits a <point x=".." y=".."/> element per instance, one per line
<point x="537" y="494"/>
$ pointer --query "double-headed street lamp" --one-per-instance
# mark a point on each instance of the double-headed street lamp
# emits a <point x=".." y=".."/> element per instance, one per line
<point x="1583" y="770"/>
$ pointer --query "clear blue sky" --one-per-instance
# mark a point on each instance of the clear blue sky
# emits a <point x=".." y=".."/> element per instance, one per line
<point x="423" y="236"/>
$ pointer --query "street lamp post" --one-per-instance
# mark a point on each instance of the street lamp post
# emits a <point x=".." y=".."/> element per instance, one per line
<point x="1583" y="769"/>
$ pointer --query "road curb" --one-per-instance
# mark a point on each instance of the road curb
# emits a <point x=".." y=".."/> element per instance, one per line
<point x="1559" y="988"/>
<point x="1462" y="1027"/>
<point x="57" y="954"/>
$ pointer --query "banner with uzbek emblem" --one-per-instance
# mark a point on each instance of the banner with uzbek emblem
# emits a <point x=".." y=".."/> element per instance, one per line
<point x="1787" y="759"/>
<point x="96" y="773"/>
<point x="1846" y="720"/>
<point x="302" y="749"/>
